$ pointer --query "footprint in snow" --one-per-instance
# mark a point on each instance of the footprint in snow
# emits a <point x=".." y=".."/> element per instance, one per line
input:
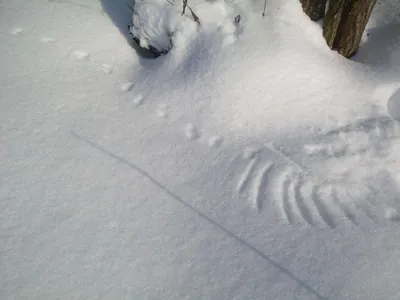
<point x="162" y="110"/>
<point x="106" y="68"/>
<point x="47" y="40"/>
<point x="251" y="151"/>
<point x="215" y="141"/>
<point x="138" y="99"/>
<point x="127" y="86"/>
<point x="191" y="132"/>
<point x="81" y="55"/>
<point x="17" y="31"/>
<point x="229" y="40"/>
<point x="392" y="214"/>
<point x="252" y="182"/>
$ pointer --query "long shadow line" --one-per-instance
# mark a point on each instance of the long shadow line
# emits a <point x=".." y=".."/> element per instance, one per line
<point x="202" y="215"/>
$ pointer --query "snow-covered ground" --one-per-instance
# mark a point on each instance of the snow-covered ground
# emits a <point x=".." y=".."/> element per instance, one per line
<point x="250" y="162"/>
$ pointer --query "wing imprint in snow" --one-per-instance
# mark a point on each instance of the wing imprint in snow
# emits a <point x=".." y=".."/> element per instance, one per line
<point x="254" y="180"/>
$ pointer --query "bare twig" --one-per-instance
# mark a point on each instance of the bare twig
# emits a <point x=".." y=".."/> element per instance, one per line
<point x="237" y="19"/>
<point x="184" y="2"/>
<point x="130" y="7"/>
<point x="195" y="17"/>
<point x="173" y="4"/>
<point x="265" y="7"/>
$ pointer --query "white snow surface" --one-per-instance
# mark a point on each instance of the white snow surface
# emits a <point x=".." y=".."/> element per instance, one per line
<point x="250" y="162"/>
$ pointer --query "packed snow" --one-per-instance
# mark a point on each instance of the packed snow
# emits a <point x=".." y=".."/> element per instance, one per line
<point x="249" y="162"/>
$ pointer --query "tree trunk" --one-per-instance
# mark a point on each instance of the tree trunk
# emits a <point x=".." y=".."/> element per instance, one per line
<point x="344" y="24"/>
<point x="315" y="9"/>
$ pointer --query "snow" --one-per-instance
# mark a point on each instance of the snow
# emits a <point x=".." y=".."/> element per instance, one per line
<point x="393" y="106"/>
<point x="81" y="55"/>
<point x="250" y="162"/>
<point x="191" y="132"/>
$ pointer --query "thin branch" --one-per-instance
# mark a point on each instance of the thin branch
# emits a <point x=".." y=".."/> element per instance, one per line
<point x="184" y="3"/>
<point x="237" y="19"/>
<point x="130" y="7"/>
<point x="195" y="17"/>
<point x="173" y="4"/>
<point x="265" y="7"/>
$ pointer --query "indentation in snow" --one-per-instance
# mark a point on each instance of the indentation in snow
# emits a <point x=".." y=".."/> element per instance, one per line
<point x="251" y="151"/>
<point x="162" y="110"/>
<point x="81" y="55"/>
<point x="107" y="68"/>
<point x="127" y="86"/>
<point x="191" y="132"/>
<point x="215" y="141"/>
<point x="392" y="214"/>
<point x="393" y="106"/>
<point x="229" y="40"/>
<point x="47" y="40"/>
<point x="138" y="99"/>
<point x="17" y="31"/>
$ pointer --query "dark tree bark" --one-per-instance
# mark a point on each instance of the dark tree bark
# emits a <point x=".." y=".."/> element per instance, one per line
<point x="315" y="9"/>
<point x="344" y="24"/>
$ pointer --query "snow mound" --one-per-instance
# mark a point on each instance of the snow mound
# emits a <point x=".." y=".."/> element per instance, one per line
<point x="160" y="24"/>
<point x="250" y="78"/>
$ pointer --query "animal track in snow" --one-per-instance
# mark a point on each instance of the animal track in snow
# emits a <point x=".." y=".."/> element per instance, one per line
<point x="16" y="31"/>
<point x="254" y="181"/>
<point x="243" y="181"/>
<point x="81" y="55"/>
<point x="162" y="110"/>
<point x="392" y="214"/>
<point x="336" y="180"/>
<point x="231" y="31"/>
<point x="229" y="40"/>
<point x="138" y="99"/>
<point x="251" y="151"/>
<point x="297" y="196"/>
<point x="324" y="209"/>
<point x="127" y="86"/>
<point x="191" y="132"/>
<point x="47" y="40"/>
<point x="106" y="68"/>
<point x="285" y="204"/>
<point x="215" y="141"/>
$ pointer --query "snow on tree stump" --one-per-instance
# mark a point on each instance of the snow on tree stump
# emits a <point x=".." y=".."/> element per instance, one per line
<point x="344" y="24"/>
<point x="315" y="9"/>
